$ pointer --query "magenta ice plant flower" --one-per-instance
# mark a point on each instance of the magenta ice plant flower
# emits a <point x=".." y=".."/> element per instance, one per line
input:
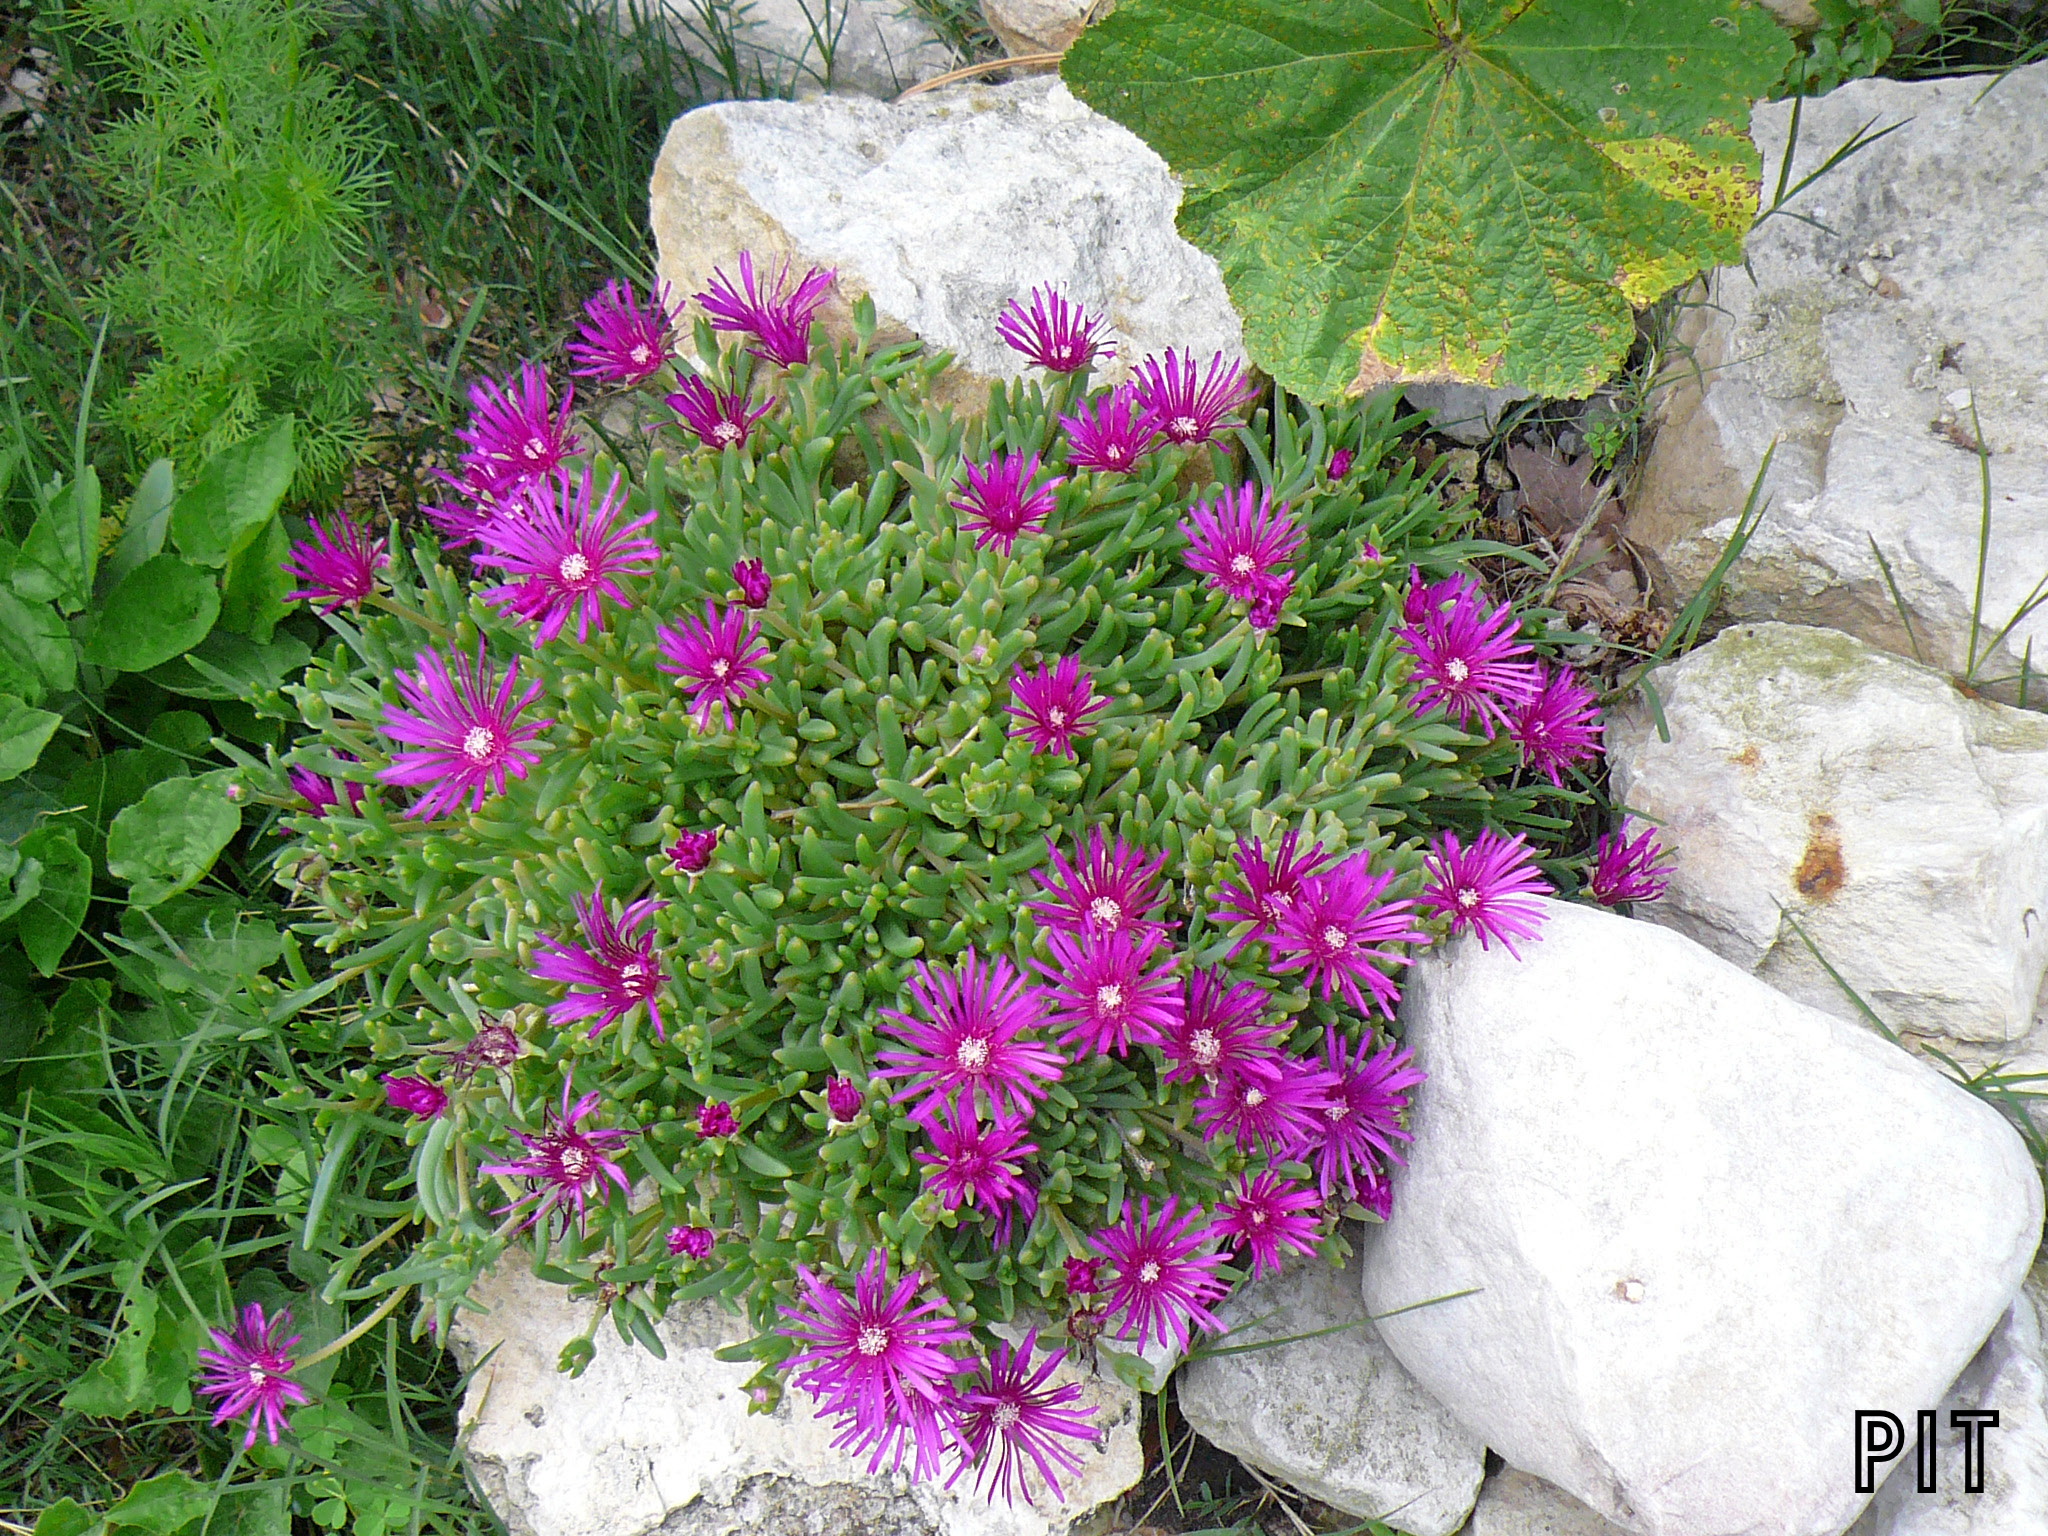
<point x="776" y="313"/>
<point x="516" y="436"/>
<point x="1186" y="405"/>
<point x="613" y="969"/>
<point x="1491" y="888"/>
<point x="414" y="1096"/>
<point x="249" y="1370"/>
<point x="1218" y="1033"/>
<point x="1267" y="1216"/>
<point x="619" y="342"/>
<point x="338" y="564"/>
<point x="1004" y="499"/>
<point x="691" y="1242"/>
<point x="1265" y="888"/>
<point x="564" y="548"/>
<point x="720" y="418"/>
<point x="718" y="660"/>
<point x="715" y="1118"/>
<point x="1269" y="1105"/>
<point x="691" y="852"/>
<point x="1009" y="1415"/>
<point x="493" y="1046"/>
<point x="1361" y="1118"/>
<point x="1336" y="932"/>
<point x="1084" y="1276"/>
<point x="1237" y="539"/>
<point x="1629" y="870"/>
<point x="879" y="1358"/>
<point x="1054" y="333"/>
<point x="323" y="794"/>
<point x="466" y="722"/>
<point x="1164" y="1275"/>
<point x="565" y="1166"/>
<point x="754" y="585"/>
<point x="1557" y="726"/>
<point x="1468" y="659"/>
<point x="1112" y="990"/>
<point x="1340" y="464"/>
<point x="973" y="1162"/>
<point x="1272" y="599"/>
<point x="1054" y="705"/>
<point x="1107" y="887"/>
<point x="1109" y="433"/>
<point x="967" y="1037"/>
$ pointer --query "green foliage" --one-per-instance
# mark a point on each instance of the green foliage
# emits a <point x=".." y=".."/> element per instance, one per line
<point x="875" y="812"/>
<point x="244" y="176"/>
<point x="1855" y="38"/>
<point x="1470" y="189"/>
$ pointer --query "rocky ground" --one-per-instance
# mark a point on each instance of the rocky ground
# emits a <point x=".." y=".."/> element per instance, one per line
<point x="1706" y="1173"/>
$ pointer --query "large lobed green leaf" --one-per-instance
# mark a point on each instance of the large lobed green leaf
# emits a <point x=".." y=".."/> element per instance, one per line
<point x="1468" y="189"/>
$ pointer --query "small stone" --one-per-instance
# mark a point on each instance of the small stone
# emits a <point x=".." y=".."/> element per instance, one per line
<point x="1868" y="272"/>
<point x="1788" y="1189"/>
<point x="1039" y="26"/>
<point x="1466" y="413"/>
<point x="636" y="1445"/>
<point x="1515" y="1504"/>
<point x="1812" y="779"/>
<point x="1464" y="466"/>
<point x="1336" y="1417"/>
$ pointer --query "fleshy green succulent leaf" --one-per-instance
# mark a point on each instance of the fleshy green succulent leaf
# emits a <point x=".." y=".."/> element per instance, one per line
<point x="1444" y="189"/>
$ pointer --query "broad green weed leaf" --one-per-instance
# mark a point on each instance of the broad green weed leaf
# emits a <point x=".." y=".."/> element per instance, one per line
<point x="254" y="585"/>
<point x="49" y="922"/>
<point x="62" y="548"/>
<point x="162" y="608"/>
<point x="236" y="493"/>
<point x="168" y="840"/>
<point x="66" y="1517"/>
<point x="37" y="656"/>
<point x="148" y="519"/>
<point x="24" y="732"/>
<point x="149" y="1367"/>
<point x="162" y="1505"/>
<point x="1444" y="189"/>
<point x="21" y="879"/>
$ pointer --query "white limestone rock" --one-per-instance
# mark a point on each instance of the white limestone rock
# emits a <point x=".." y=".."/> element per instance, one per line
<point x="1515" y="1504"/>
<point x="868" y="47"/>
<point x="1466" y="413"/>
<point x="1861" y="349"/>
<point x="638" y="1445"/>
<point x="1040" y="26"/>
<point x="2009" y="1377"/>
<point x="1336" y="1416"/>
<point x="1901" y="823"/>
<point x="943" y="209"/>
<point x="1706" y="1224"/>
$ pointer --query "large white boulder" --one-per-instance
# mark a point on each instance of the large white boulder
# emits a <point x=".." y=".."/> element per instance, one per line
<point x="1335" y="1416"/>
<point x="637" y="1445"/>
<point x="943" y="209"/>
<point x="1816" y="780"/>
<point x="1515" y="1504"/>
<point x="1908" y="290"/>
<point x="1705" y="1224"/>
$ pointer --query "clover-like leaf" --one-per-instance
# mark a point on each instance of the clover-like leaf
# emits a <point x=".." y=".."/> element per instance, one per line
<point x="1445" y="189"/>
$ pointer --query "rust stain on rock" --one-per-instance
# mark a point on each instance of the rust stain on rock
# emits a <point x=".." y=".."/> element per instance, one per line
<point x="1748" y="757"/>
<point x="1821" y="872"/>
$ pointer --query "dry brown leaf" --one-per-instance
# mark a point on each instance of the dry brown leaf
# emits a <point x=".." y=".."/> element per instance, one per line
<point x="1557" y="495"/>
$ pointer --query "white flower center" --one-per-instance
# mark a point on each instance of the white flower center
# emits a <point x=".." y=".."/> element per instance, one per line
<point x="1241" y="565"/>
<point x="726" y="432"/>
<point x="873" y="1340"/>
<point x="1456" y="670"/>
<point x="258" y="1376"/>
<point x="1148" y="1272"/>
<point x="1337" y="1112"/>
<point x="575" y="567"/>
<point x="972" y="1054"/>
<point x="1258" y="1218"/>
<point x="1057" y="718"/>
<point x="1335" y="938"/>
<point x="1468" y="899"/>
<point x="641" y="353"/>
<point x="720" y="668"/>
<point x="1007" y="1415"/>
<point x="1108" y="999"/>
<point x="1106" y="912"/>
<point x="1182" y="426"/>
<point x="576" y="1163"/>
<point x="1254" y="1098"/>
<point x="536" y="448"/>
<point x="1204" y="1048"/>
<point x="480" y="745"/>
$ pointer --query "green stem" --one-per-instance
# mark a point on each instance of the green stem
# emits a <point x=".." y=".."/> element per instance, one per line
<point x="412" y="616"/>
<point x="389" y="1305"/>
